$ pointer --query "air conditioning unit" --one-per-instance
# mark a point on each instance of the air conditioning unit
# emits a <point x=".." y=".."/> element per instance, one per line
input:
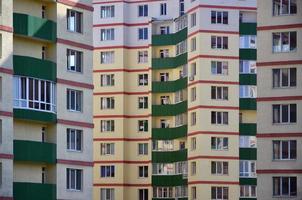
<point x="191" y="78"/>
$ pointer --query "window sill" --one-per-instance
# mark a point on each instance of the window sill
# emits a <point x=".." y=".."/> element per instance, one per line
<point x="74" y="151"/>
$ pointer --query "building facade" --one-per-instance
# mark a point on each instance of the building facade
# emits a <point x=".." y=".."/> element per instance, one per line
<point x="175" y="99"/>
<point x="46" y="93"/>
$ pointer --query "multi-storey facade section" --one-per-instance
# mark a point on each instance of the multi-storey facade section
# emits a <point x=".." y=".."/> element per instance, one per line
<point x="279" y="99"/>
<point x="46" y="107"/>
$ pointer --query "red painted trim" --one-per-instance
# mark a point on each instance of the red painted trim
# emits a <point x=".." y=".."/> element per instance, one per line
<point x="215" y="57"/>
<point x="288" y="62"/>
<point x="6" y="198"/>
<point x="74" y="44"/>
<point x="6" y="28"/>
<point x="121" y="185"/>
<point x="284" y="98"/>
<point x="121" y="139"/>
<point x="214" y="182"/>
<point x="75" y="84"/>
<point x="278" y="135"/>
<point x="6" y="156"/>
<point x="75" y="162"/>
<point x="121" y="116"/>
<point x="221" y="7"/>
<point x="214" y="107"/>
<point x="279" y="171"/>
<point x="122" y="93"/>
<point x="123" y="24"/>
<point x="6" y="114"/>
<point x="123" y="70"/>
<point x="286" y="26"/>
<point x="213" y="82"/>
<point x="122" y="161"/>
<point x="6" y="71"/>
<point x="122" y="47"/>
<point x="212" y="133"/>
<point x="213" y="31"/>
<point x="75" y="123"/>
<point x="75" y="4"/>
<point x="214" y="157"/>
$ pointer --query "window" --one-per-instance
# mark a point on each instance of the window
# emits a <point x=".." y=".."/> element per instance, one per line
<point x="162" y="192"/>
<point x="248" y="191"/>
<point x="219" y="17"/>
<point x="164" y="30"/>
<point x="1" y="171"/>
<point x="107" y="125"/>
<point x="247" y="67"/>
<point x="219" y="143"/>
<point x="143" y="79"/>
<point x="193" y="168"/>
<point x="284" y="149"/>
<point x="248" y="42"/>
<point x="34" y="94"/>
<point x="74" y="139"/>
<point x="181" y="7"/>
<point x="107" y="194"/>
<point x="107" y="148"/>
<point x="219" y="168"/>
<point x="181" y="192"/>
<point x="143" y="33"/>
<point x="247" y="91"/>
<point x="284" y="7"/>
<point x="219" y="42"/>
<point x="179" y="96"/>
<point x="219" y="93"/>
<point x="74" y="21"/>
<point x="219" y="193"/>
<point x="284" y="186"/>
<point x="164" y="53"/>
<point x="74" y="179"/>
<point x="107" y="103"/>
<point x="193" y="118"/>
<point x="193" y="143"/>
<point x="143" y="125"/>
<point x="1" y="87"/>
<point x="107" y="57"/>
<point x="143" y="171"/>
<point x="162" y="145"/>
<point x="74" y="100"/>
<point x="194" y="193"/>
<point x="107" y="80"/>
<point x="284" y="42"/>
<point x="74" y="60"/>
<point x="247" y="142"/>
<point x="143" y="10"/>
<point x="143" y="194"/>
<point x="193" y="19"/>
<point x="285" y="77"/>
<point x="193" y="44"/>
<point x="142" y="102"/>
<point x="284" y="113"/>
<point x="193" y="94"/>
<point x="164" y="77"/>
<point x="163" y="9"/>
<point x="219" y="118"/>
<point x="247" y="168"/>
<point x="219" y="68"/>
<point x="107" y="11"/>
<point x="193" y="71"/>
<point x="179" y="120"/>
<point x="0" y="135"/>
<point x="107" y="171"/>
<point x="142" y="56"/>
<point x="143" y="149"/>
<point x="181" y="47"/>
<point x="107" y="34"/>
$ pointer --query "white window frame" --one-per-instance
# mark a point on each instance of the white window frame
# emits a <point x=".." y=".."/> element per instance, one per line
<point x="143" y="33"/>
<point x="217" y="193"/>
<point x="248" y="91"/>
<point x="279" y="12"/>
<point x="109" y="171"/>
<point x="107" y="11"/>
<point x="107" y="194"/>
<point x="75" y="96"/>
<point x="289" y="186"/>
<point x="163" y="9"/>
<point x="73" y="178"/>
<point x="220" y="143"/>
<point x="246" y="191"/>
<point x="283" y="48"/>
<point x="107" y="125"/>
<point x="144" y="8"/>
<point x="144" y="151"/>
<point x="247" y="141"/>
<point x="142" y="102"/>
<point x="247" y="67"/>
<point x="107" y="34"/>
<point x="248" y="169"/>
<point x="277" y="119"/>
<point x="74" y="61"/>
<point x="223" y="116"/>
<point x="248" y="42"/>
<point x="107" y="80"/>
<point x="144" y="169"/>
<point x="278" y="77"/>
<point x="107" y="103"/>
<point x="219" y="42"/>
<point x="107" y="57"/>
<point x="219" y="67"/>
<point x="142" y="56"/>
<point x="143" y="125"/>
<point x="221" y="168"/>
<point x="221" y="93"/>
<point x="107" y="149"/>
<point x="143" y="79"/>
<point x="281" y="150"/>
<point x="73" y="135"/>
<point x="219" y="17"/>
<point x="74" y="21"/>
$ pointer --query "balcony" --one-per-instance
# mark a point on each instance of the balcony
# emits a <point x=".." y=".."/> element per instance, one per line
<point x="35" y="27"/>
<point x="248" y="104"/>
<point x="248" y="28"/>
<point x="248" y="54"/>
<point x="34" y="67"/>
<point x="170" y="109"/>
<point x="169" y="180"/>
<point x="169" y="86"/>
<point x="249" y="129"/>
<point x="248" y="79"/>
<point x="169" y="156"/>
<point x="35" y="115"/>
<point x="169" y="133"/>
<point x="248" y="153"/>
<point x="248" y="181"/>
<point x="31" y="151"/>
<point x="170" y="39"/>
<point x="34" y="191"/>
<point x="170" y="62"/>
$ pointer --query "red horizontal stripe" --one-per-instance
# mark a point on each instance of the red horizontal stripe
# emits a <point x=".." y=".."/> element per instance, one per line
<point x="122" y="47"/>
<point x="75" y="162"/>
<point x="212" y="133"/>
<point x="6" y="156"/>
<point x="121" y="185"/>
<point x="278" y="135"/>
<point x="214" y="57"/>
<point x="214" y="157"/>
<point x="122" y="139"/>
<point x="74" y="44"/>
<point x="75" y="84"/>
<point x="213" y="82"/>
<point x="287" y="62"/>
<point x="213" y="182"/>
<point x="122" y="24"/>
<point x="221" y="7"/>
<point x="123" y="70"/>
<point x="75" y="123"/>
<point x="6" y="28"/>
<point x="6" y="114"/>
<point x="213" y="31"/>
<point x="284" y="98"/>
<point x="279" y="171"/>
<point x="286" y="26"/>
<point x="6" y="71"/>
<point x="214" y="107"/>
<point x="76" y="4"/>
<point x="121" y="161"/>
<point x="122" y="93"/>
<point x="121" y="116"/>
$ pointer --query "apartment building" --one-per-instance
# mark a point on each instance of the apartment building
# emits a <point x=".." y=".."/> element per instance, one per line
<point x="46" y="93"/>
<point x="279" y="99"/>
<point x="175" y="99"/>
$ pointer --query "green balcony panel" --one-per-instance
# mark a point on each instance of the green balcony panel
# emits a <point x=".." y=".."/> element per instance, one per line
<point x="168" y="180"/>
<point x="248" y="181"/>
<point x="35" y="115"/>
<point x="34" y="67"/>
<point x="170" y="39"/>
<point x="169" y="133"/>
<point x="35" y="27"/>
<point x="32" y="151"/>
<point x="169" y="109"/>
<point x="249" y="129"/>
<point x="169" y="63"/>
<point x="248" y="153"/>
<point x="169" y="86"/>
<point x="248" y="28"/>
<point x="248" y="104"/>
<point x="248" y="79"/>
<point x="34" y="191"/>
<point x="248" y="54"/>
<point x="169" y="156"/>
